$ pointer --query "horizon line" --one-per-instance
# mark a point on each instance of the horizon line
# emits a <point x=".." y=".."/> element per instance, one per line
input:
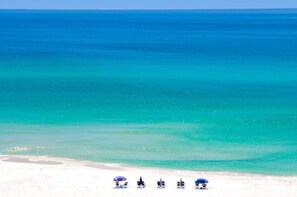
<point x="142" y="9"/>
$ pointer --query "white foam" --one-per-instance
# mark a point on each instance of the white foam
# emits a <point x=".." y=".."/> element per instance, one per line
<point x="23" y="148"/>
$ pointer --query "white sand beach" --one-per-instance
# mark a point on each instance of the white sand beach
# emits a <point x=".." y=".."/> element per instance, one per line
<point x="44" y="176"/>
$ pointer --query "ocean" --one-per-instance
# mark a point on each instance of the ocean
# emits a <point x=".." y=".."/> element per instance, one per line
<point x="209" y="90"/>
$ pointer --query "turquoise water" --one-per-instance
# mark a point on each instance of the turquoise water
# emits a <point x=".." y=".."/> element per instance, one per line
<point x="200" y="90"/>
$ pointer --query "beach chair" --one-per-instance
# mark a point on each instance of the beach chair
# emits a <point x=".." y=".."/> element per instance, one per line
<point x="204" y="186"/>
<point x="182" y="184"/>
<point x="140" y="183"/>
<point x="117" y="184"/>
<point x="159" y="184"/>
<point x="197" y="185"/>
<point x="126" y="184"/>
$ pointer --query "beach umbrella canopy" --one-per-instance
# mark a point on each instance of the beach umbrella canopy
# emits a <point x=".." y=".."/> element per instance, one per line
<point x="120" y="178"/>
<point x="201" y="180"/>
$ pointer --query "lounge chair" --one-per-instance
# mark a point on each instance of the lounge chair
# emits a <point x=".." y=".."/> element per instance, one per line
<point x="182" y="184"/>
<point x="117" y="184"/>
<point x="204" y="185"/>
<point x="126" y="184"/>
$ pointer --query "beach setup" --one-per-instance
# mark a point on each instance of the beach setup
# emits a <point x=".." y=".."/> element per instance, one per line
<point x="121" y="182"/>
<point x="202" y="182"/>
<point x="180" y="184"/>
<point x="161" y="183"/>
<point x="140" y="183"/>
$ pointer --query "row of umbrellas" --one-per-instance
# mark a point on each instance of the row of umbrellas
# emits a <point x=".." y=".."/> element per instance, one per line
<point x="198" y="181"/>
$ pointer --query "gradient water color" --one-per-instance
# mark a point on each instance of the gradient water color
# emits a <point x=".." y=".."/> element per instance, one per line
<point x="200" y="90"/>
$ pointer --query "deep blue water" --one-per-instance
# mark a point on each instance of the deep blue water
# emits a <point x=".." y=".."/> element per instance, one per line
<point x="207" y="90"/>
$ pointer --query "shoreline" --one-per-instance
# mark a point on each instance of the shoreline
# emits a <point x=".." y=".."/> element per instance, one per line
<point x="42" y="159"/>
<point x="49" y="176"/>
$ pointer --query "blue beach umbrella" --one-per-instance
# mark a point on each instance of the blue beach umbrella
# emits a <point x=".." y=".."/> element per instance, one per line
<point x="120" y="178"/>
<point x="201" y="181"/>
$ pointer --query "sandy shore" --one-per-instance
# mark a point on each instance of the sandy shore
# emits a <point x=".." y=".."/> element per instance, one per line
<point x="44" y="176"/>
